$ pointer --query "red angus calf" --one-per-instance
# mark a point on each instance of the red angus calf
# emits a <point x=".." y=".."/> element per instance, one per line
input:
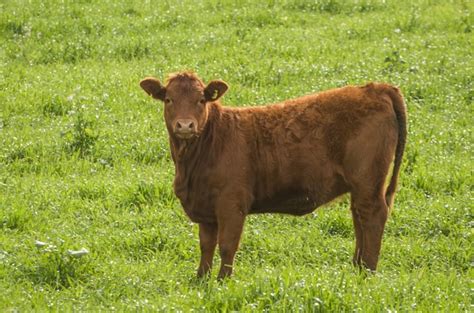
<point x="289" y="157"/>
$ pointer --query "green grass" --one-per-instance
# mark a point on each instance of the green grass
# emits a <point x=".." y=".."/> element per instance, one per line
<point x="84" y="158"/>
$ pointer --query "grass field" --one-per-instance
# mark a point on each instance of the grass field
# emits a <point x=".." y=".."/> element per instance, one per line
<point x="84" y="160"/>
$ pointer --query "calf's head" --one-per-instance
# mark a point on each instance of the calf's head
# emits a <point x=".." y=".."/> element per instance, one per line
<point x="186" y="100"/>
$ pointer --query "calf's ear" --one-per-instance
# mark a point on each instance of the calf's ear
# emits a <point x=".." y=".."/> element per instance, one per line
<point x="153" y="87"/>
<point x="215" y="89"/>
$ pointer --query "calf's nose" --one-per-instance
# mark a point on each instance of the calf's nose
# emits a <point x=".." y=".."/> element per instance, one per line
<point x="185" y="126"/>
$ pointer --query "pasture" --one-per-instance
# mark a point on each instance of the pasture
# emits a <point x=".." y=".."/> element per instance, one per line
<point x="85" y="163"/>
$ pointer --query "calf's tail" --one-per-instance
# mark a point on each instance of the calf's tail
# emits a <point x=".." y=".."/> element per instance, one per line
<point x="401" y="115"/>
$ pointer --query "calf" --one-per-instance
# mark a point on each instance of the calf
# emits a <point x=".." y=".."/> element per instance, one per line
<point x="289" y="157"/>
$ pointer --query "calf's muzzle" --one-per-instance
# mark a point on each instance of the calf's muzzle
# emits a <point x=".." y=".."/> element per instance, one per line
<point x="185" y="128"/>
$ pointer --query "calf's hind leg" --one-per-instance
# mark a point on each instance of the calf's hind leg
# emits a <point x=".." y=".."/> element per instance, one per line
<point x="372" y="215"/>
<point x="356" y="260"/>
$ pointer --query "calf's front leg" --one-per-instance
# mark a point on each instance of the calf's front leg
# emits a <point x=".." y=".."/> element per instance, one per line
<point x="230" y="226"/>
<point x="207" y="243"/>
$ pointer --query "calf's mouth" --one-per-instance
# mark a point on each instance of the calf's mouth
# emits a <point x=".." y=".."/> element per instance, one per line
<point x="186" y="135"/>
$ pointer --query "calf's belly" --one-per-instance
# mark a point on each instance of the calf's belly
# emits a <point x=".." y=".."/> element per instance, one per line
<point x="294" y="204"/>
<point x="299" y="202"/>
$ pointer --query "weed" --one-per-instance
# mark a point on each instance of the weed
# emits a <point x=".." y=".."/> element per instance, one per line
<point x="55" y="107"/>
<point x="55" y="267"/>
<point x="81" y="137"/>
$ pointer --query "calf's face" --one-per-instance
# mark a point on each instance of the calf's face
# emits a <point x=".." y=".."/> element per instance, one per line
<point x="186" y="101"/>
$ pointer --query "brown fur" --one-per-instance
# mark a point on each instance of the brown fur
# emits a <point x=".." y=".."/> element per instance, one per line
<point x="289" y="157"/>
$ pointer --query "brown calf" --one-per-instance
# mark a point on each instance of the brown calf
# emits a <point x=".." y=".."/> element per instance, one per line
<point x="289" y="157"/>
